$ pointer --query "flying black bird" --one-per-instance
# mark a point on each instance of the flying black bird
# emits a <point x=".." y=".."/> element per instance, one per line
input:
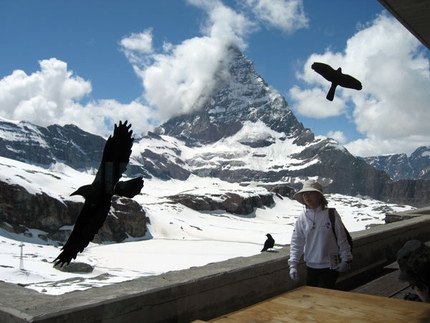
<point x="98" y="195"/>
<point x="336" y="77"/>
<point x="270" y="243"/>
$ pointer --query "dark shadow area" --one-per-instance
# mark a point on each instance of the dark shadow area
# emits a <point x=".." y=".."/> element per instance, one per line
<point x="363" y="278"/>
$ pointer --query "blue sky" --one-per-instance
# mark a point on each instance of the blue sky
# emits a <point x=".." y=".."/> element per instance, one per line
<point x="92" y="63"/>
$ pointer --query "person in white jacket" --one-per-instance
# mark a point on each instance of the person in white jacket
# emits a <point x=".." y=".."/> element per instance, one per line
<point x="324" y="255"/>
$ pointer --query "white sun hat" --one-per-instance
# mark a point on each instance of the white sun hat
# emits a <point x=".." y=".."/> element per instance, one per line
<point x="309" y="186"/>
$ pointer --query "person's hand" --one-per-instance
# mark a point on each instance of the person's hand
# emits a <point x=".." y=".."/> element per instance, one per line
<point x="293" y="273"/>
<point x="342" y="267"/>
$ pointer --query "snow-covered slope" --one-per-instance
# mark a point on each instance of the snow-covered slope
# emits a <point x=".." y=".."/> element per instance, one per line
<point x="178" y="237"/>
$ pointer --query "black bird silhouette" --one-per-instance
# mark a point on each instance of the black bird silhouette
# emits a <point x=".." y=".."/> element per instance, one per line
<point x="98" y="195"/>
<point x="270" y="243"/>
<point x="336" y="77"/>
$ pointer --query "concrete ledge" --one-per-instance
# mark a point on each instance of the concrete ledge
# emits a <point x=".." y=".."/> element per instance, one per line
<point x="202" y="292"/>
<point x="178" y="296"/>
<point x="400" y="216"/>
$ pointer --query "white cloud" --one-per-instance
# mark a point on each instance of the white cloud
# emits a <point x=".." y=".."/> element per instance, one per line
<point x="99" y="116"/>
<point x="339" y="136"/>
<point x="392" y="108"/>
<point x="136" y="46"/>
<point x="182" y="77"/>
<point x="41" y="96"/>
<point x="376" y="146"/>
<point x="309" y="103"/>
<point x="176" y="83"/>
<point x="225" y="24"/>
<point x="286" y="15"/>
<point x="52" y="95"/>
<point x="141" y="42"/>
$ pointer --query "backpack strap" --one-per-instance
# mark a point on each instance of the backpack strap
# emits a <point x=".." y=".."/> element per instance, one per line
<point x="332" y="221"/>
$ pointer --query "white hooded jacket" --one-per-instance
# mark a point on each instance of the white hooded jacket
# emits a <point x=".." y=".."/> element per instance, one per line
<point x="313" y="236"/>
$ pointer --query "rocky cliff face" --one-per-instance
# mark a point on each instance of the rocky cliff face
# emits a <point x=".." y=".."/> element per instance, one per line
<point x="22" y="212"/>
<point x="409" y="192"/>
<point x="230" y="202"/>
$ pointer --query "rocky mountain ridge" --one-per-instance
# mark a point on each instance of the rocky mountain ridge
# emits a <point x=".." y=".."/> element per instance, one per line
<point x="37" y="145"/>
<point x="403" y="167"/>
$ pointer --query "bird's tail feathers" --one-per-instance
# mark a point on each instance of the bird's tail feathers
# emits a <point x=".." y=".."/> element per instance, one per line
<point x="330" y="94"/>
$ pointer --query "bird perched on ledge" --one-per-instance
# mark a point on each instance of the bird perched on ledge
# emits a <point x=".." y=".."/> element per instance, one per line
<point x="336" y="77"/>
<point x="269" y="243"/>
<point x="98" y="195"/>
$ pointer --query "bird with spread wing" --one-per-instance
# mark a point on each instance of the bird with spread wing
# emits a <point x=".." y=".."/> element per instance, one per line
<point x="336" y="77"/>
<point x="98" y="195"/>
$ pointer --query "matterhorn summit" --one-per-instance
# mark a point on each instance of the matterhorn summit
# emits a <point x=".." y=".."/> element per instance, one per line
<point x="243" y="96"/>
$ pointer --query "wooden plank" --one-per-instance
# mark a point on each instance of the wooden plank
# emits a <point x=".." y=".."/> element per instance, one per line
<point x="362" y="270"/>
<point x="311" y="304"/>
<point x="387" y="286"/>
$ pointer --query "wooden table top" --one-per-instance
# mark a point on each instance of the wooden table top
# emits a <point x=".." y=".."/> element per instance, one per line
<point x="311" y="304"/>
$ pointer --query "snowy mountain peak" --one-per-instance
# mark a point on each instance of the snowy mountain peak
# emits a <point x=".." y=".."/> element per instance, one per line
<point x="243" y="96"/>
